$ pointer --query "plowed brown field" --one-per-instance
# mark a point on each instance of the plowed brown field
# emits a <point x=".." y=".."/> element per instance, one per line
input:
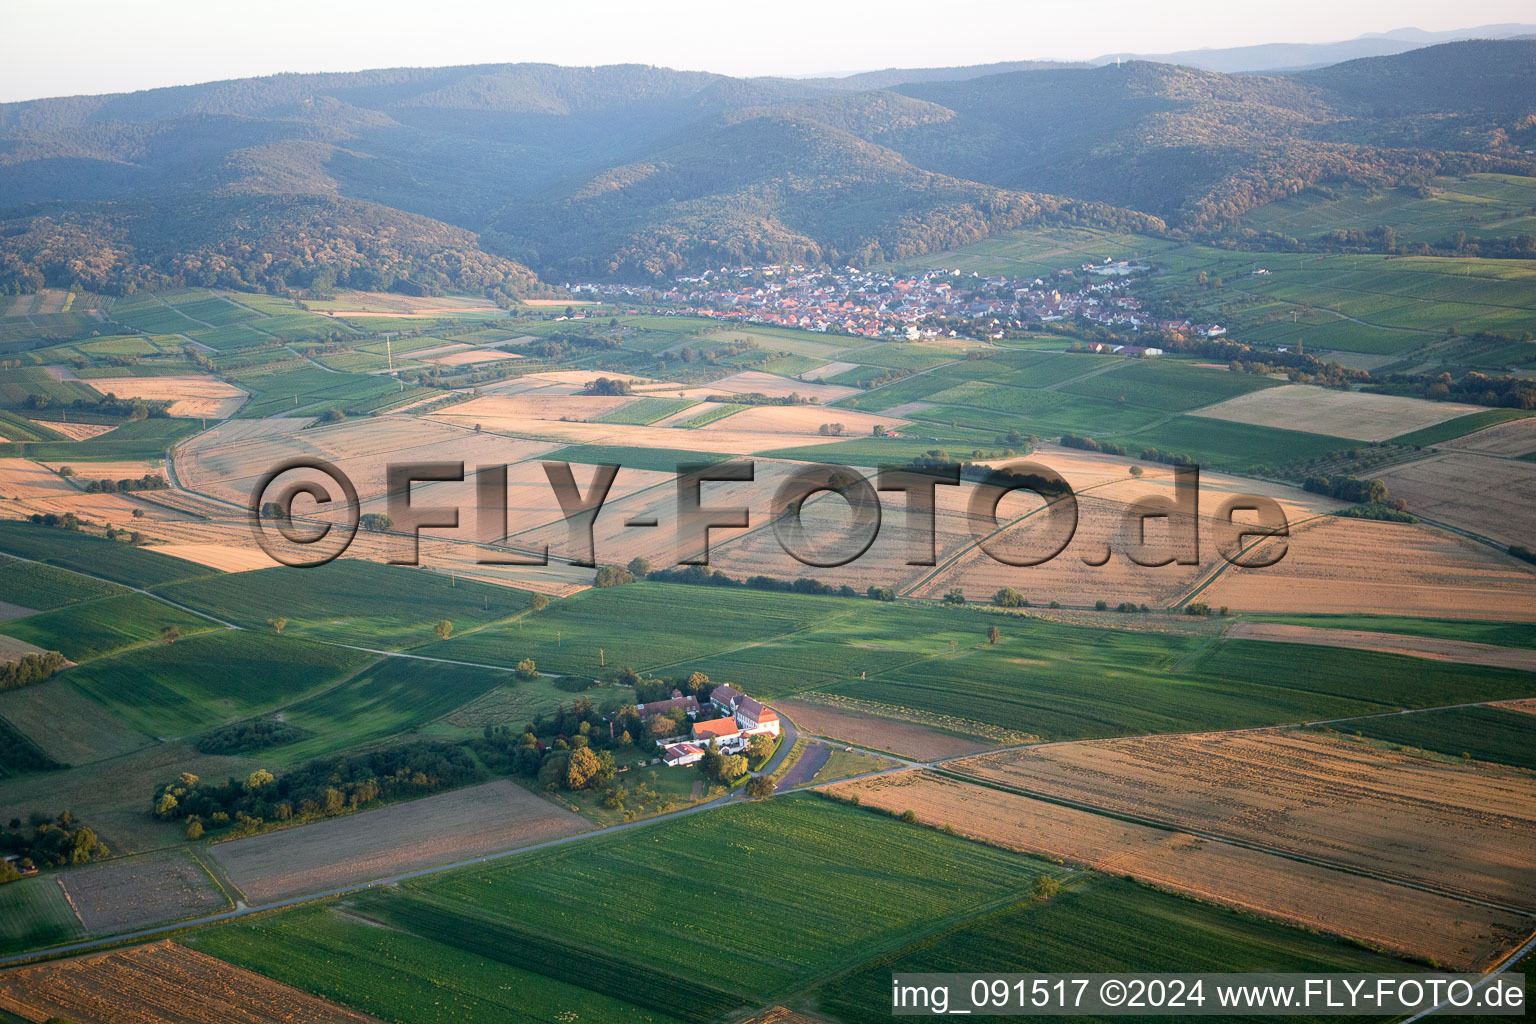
<point x="402" y="837"/>
<point x="161" y="983"/>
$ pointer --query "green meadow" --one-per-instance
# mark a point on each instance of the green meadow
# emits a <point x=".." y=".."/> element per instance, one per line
<point x="1482" y="733"/>
<point x="180" y="689"/>
<point x="92" y="629"/>
<point x="351" y="601"/>
<point x="1103" y="924"/>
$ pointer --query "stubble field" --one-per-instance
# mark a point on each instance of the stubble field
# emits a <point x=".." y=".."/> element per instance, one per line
<point x="1462" y="829"/>
<point x="1490" y="497"/>
<point x="1351" y="414"/>
<point x="1453" y="932"/>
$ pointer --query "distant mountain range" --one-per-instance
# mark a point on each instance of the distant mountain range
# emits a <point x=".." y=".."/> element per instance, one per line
<point x="1278" y="57"/>
<point x="467" y="177"/>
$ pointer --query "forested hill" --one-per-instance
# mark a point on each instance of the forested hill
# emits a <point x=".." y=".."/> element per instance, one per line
<point x="465" y="177"/>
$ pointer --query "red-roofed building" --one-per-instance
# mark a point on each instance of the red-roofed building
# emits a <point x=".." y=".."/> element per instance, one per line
<point x="682" y="753"/>
<point x="725" y="697"/>
<point x="724" y="733"/>
<point x="689" y="704"/>
<point x="756" y="719"/>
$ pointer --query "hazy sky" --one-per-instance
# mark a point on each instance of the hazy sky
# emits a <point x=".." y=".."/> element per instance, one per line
<point x="56" y="48"/>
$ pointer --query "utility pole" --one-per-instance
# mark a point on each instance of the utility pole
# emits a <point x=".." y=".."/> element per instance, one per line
<point x="602" y="658"/>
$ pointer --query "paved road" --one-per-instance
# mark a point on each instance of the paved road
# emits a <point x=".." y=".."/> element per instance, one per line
<point x="814" y="756"/>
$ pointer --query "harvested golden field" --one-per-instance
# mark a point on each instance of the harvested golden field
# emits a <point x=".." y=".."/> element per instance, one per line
<point x="111" y="470"/>
<point x="189" y="396"/>
<point x="1349" y="414"/>
<point x="402" y="837"/>
<point x="471" y="356"/>
<point x="1466" y="829"/>
<point x="1358" y="566"/>
<point x="77" y="431"/>
<point x="1435" y="648"/>
<point x="1491" y="497"/>
<point x="1456" y="933"/>
<point x="512" y="415"/>
<point x="1509" y="439"/>
<point x="831" y="369"/>
<point x="756" y="382"/>
<point x="224" y="557"/>
<point x="20" y="478"/>
<point x="349" y="302"/>
<point x="97" y="508"/>
<point x="1106" y="498"/>
<point x="1526" y="707"/>
<point x="160" y="983"/>
<point x="136" y="892"/>
<point x="228" y="461"/>
<point x="906" y="739"/>
<point x="802" y="419"/>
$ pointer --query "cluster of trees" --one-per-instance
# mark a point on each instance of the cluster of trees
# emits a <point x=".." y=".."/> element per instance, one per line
<point x="1088" y="444"/>
<point x="109" y="405"/>
<point x="613" y="576"/>
<point x="257" y="734"/>
<point x="700" y="575"/>
<point x="54" y="842"/>
<point x="1507" y="392"/>
<point x="1007" y="597"/>
<point x="571" y="749"/>
<point x="29" y="669"/>
<point x="1348" y="488"/>
<point x="1395" y="511"/>
<point x="725" y="769"/>
<point x="68" y="521"/>
<point x="608" y="386"/>
<point x="758" y="398"/>
<point x="319" y="789"/>
<point x="1167" y="458"/>
<point x="562" y="345"/>
<point x="147" y="482"/>
<point x="882" y="378"/>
